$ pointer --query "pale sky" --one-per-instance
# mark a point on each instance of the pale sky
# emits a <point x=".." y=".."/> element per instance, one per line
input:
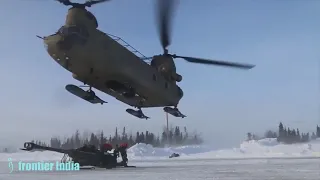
<point x="281" y="37"/>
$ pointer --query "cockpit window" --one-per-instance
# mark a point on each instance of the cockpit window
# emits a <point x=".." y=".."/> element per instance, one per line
<point x="65" y="31"/>
<point x="72" y="35"/>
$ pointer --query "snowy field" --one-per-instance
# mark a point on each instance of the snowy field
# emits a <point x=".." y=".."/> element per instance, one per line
<point x="268" y="169"/>
<point x="255" y="160"/>
<point x="265" y="148"/>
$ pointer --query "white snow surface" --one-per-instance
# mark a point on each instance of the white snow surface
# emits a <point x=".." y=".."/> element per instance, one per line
<point x="265" y="148"/>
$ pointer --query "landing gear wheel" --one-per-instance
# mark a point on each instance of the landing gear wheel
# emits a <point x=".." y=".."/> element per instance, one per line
<point x="137" y="113"/>
<point x="174" y="111"/>
<point x="91" y="94"/>
<point x="88" y="95"/>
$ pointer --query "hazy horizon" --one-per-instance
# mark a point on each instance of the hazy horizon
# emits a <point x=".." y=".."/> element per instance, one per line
<point x="280" y="37"/>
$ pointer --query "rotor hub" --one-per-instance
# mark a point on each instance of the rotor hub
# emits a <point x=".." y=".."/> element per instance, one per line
<point x="165" y="13"/>
<point x="88" y="3"/>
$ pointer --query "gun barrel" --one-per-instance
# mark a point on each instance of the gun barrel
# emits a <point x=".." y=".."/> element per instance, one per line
<point x="29" y="146"/>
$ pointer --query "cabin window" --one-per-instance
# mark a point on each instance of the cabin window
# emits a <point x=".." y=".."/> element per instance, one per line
<point x="154" y="77"/>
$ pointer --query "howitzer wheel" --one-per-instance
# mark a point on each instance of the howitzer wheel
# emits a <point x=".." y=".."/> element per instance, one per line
<point x="28" y="146"/>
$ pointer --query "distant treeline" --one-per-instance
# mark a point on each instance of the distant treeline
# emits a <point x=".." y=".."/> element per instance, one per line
<point x="287" y="135"/>
<point x="175" y="137"/>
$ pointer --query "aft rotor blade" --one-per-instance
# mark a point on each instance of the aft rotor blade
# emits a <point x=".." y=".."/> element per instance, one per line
<point x="164" y="17"/>
<point x="215" y="62"/>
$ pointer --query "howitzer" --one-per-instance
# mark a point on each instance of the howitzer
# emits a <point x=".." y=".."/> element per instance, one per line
<point x="85" y="155"/>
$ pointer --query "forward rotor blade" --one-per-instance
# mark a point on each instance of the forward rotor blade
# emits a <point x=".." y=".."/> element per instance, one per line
<point x="92" y="2"/>
<point x="215" y="62"/>
<point x="65" y="2"/>
<point x="164" y="17"/>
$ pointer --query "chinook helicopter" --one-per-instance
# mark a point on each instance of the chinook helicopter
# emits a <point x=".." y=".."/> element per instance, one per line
<point x="109" y="64"/>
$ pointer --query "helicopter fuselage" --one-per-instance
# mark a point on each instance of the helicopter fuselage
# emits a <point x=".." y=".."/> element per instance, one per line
<point x="98" y="60"/>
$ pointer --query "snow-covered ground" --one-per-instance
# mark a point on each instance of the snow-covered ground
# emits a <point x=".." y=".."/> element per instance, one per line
<point x="196" y="163"/>
<point x="265" y="148"/>
<point x="174" y="169"/>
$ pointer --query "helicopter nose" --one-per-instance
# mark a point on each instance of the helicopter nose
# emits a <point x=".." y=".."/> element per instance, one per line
<point x="51" y="44"/>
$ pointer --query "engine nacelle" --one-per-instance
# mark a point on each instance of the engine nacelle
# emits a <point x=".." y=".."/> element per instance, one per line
<point x="177" y="77"/>
<point x="166" y="67"/>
